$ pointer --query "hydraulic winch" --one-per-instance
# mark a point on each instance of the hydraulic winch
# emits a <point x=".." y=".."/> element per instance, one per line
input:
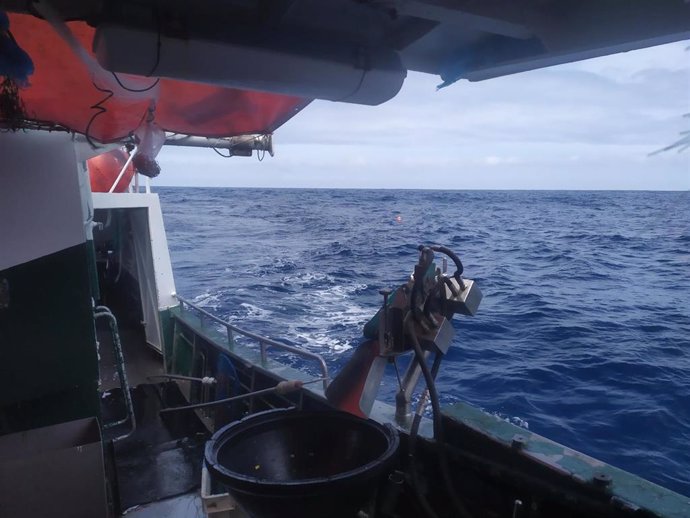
<point x="413" y="317"/>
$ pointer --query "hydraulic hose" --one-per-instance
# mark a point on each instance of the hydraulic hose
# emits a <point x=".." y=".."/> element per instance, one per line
<point x="459" y="268"/>
<point x="414" y="432"/>
<point x="438" y="425"/>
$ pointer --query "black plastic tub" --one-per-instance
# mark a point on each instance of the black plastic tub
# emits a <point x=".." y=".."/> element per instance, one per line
<point x="289" y="464"/>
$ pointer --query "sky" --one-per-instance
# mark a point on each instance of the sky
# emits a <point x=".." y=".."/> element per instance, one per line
<point x="586" y="125"/>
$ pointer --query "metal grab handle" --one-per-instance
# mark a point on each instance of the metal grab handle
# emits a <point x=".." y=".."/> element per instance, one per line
<point x="282" y="388"/>
<point x="104" y="312"/>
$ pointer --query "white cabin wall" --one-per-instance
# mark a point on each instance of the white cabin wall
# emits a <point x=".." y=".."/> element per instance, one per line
<point x="149" y="258"/>
<point x="40" y="200"/>
<point x="48" y="356"/>
<point x="165" y="283"/>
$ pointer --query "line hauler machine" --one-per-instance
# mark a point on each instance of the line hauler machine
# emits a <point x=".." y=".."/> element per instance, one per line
<point x="413" y="317"/>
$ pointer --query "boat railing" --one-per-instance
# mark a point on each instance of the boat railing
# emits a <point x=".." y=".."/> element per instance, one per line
<point x="264" y="342"/>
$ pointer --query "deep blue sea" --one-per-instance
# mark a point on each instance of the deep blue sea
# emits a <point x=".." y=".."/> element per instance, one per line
<point x="583" y="334"/>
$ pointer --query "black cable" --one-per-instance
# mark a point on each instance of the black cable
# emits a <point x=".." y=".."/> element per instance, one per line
<point x="221" y="154"/>
<point x="137" y="90"/>
<point x="414" y="433"/>
<point x="438" y="427"/>
<point x="397" y="372"/>
<point x="447" y="251"/>
<point x="155" y="64"/>
<point x="416" y="421"/>
<point x="353" y="92"/>
<point x="157" y="14"/>
<point x="100" y="110"/>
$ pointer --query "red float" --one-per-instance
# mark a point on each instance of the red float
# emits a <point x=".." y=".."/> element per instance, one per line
<point x="104" y="169"/>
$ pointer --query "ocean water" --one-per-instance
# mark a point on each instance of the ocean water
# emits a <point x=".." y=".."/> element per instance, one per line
<point x="583" y="335"/>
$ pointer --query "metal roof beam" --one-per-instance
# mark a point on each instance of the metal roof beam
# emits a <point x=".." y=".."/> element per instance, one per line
<point x="435" y="10"/>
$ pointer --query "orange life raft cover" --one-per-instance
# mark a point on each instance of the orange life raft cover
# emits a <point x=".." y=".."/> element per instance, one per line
<point x="61" y="91"/>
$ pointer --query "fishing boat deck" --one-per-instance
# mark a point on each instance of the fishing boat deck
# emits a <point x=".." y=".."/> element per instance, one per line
<point x="162" y="456"/>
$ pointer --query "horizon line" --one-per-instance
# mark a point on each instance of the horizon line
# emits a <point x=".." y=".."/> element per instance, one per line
<point x="415" y="188"/>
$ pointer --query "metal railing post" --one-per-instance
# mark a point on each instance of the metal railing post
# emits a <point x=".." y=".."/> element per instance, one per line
<point x="264" y="354"/>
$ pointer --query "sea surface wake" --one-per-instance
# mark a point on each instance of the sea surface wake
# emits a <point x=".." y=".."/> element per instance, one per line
<point x="583" y="334"/>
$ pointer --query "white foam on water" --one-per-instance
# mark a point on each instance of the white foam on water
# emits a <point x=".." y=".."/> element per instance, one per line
<point x="208" y="300"/>
<point x="331" y="308"/>
<point x="326" y="308"/>
<point x="320" y="342"/>
<point x="252" y="311"/>
<point x="307" y="278"/>
<point x="517" y="421"/>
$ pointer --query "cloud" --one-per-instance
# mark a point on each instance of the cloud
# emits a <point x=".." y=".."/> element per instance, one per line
<point x="520" y="131"/>
<point x="498" y="160"/>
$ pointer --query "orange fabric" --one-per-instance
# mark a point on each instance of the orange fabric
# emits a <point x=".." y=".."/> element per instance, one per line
<point x="61" y="91"/>
<point x="103" y="170"/>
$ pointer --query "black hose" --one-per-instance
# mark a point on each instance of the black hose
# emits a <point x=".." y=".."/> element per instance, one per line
<point x="438" y="428"/>
<point x="414" y="433"/>
<point x="414" y="429"/>
<point x="453" y="256"/>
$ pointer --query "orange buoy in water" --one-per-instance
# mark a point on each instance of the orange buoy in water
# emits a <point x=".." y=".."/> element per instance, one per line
<point x="104" y="169"/>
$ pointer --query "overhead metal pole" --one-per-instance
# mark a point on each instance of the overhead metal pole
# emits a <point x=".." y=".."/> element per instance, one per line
<point x="242" y="145"/>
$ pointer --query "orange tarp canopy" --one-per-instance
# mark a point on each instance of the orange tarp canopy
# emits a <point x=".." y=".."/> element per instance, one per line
<point x="61" y="91"/>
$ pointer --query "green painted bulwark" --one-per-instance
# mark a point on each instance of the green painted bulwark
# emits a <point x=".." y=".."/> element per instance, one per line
<point x="167" y="334"/>
<point x="48" y="356"/>
<point x="492" y="435"/>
